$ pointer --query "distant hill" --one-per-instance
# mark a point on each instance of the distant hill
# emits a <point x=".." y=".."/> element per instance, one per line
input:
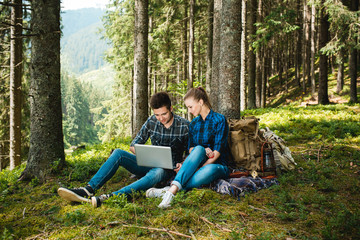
<point x="102" y="78"/>
<point x="82" y="49"/>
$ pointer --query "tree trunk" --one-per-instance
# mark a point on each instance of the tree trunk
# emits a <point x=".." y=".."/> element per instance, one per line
<point x="46" y="138"/>
<point x="312" y="40"/>
<point x="259" y="58"/>
<point x="191" y="49"/>
<point x="140" y="64"/>
<point x="353" y="63"/>
<point x="214" y="83"/>
<point x="323" y="97"/>
<point x="15" y="83"/>
<point x="243" y="56"/>
<point x="305" y="44"/>
<point x="298" y="36"/>
<point x="251" y="56"/>
<point x="191" y="45"/>
<point x="185" y="43"/>
<point x="340" y="73"/>
<point x="209" y="46"/>
<point x="229" y="68"/>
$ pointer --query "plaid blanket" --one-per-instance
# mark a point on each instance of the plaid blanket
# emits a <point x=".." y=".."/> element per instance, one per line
<point x="238" y="187"/>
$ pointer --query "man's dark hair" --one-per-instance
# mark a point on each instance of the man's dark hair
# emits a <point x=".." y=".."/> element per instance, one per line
<point x="160" y="99"/>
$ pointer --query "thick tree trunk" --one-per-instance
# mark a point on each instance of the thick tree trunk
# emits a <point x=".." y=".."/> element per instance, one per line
<point x="323" y="97"/>
<point x="46" y="136"/>
<point x="214" y="84"/>
<point x="140" y="65"/>
<point x="243" y="56"/>
<point x="230" y="65"/>
<point x="15" y="83"/>
<point x="209" y="46"/>
<point x="251" y="56"/>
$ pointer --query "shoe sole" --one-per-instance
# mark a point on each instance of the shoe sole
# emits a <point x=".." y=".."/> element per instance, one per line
<point x="94" y="202"/>
<point x="71" y="196"/>
<point x="148" y="195"/>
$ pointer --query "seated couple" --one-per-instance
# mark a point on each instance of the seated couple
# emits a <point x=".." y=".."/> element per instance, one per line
<point x="205" y="137"/>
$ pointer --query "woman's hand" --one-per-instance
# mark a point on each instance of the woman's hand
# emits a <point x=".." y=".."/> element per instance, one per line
<point x="209" y="153"/>
<point x="177" y="168"/>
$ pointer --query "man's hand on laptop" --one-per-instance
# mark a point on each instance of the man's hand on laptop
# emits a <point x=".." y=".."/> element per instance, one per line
<point x="178" y="166"/>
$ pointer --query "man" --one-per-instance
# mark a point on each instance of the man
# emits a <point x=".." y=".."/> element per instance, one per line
<point x="164" y="129"/>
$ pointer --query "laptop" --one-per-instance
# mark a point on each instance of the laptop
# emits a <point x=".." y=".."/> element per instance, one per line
<point x="154" y="156"/>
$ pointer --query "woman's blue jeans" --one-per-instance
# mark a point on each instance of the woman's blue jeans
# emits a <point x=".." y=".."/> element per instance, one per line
<point x="149" y="176"/>
<point x="189" y="177"/>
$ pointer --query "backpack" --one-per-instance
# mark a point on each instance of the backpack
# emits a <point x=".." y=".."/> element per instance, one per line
<point x="245" y="143"/>
<point x="282" y="154"/>
<point x="252" y="149"/>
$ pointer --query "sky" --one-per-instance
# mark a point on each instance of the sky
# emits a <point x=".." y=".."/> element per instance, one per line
<point x="76" y="4"/>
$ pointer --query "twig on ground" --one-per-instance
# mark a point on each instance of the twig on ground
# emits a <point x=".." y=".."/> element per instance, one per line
<point x="216" y="225"/>
<point x="157" y="229"/>
<point x="171" y="236"/>
<point x="258" y="209"/>
<point x="318" y="155"/>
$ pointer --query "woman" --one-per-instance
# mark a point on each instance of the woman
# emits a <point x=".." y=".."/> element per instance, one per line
<point x="207" y="146"/>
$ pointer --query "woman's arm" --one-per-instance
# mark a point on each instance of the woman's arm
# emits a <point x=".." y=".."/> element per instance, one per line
<point x="213" y="159"/>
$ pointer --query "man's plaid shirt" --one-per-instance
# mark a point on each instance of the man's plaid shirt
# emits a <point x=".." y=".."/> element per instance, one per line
<point x="211" y="133"/>
<point x="175" y="137"/>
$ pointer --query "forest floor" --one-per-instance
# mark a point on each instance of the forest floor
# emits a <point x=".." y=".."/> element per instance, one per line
<point x="320" y="199"/>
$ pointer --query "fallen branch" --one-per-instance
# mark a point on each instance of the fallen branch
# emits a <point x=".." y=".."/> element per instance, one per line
<point x="158" y="229"/>
<point x="216" y="225"/>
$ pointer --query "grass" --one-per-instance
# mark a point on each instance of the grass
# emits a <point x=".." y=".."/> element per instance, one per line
<point x="318" y="200"/>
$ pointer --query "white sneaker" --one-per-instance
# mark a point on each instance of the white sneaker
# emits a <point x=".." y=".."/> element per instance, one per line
<point x="167" y="198"/>
<point x="156" y="192"/>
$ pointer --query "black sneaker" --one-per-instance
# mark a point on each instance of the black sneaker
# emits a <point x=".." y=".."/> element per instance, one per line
<point x="82" y="194"/>
<point x="97" y="201"/>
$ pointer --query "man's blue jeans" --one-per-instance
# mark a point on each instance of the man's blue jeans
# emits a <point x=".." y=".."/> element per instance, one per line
<point x="149" y="176"/>
<point x="189" y="177"/>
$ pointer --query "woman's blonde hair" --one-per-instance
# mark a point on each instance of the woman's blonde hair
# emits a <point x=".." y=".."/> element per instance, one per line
<point x="197" y="94"/>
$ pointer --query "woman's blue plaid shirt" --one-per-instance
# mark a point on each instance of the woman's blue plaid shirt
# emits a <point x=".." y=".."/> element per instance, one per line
<point x="211" y="133"/>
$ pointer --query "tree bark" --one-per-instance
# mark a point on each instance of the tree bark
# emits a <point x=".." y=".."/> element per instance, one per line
<point x="251" y="56"/>
<point x="298" y="51"/>
<point x="312" y="40"/>
<point x="209" y="51"/>
<point x="214" y="83"/>
<point x="46" y="136"/>
<point x="242" y="57"/>
<point x="140" y="87"/>
<point x="191" y="49"/>
<point x="353" y="63"/>
<point x="230" y="64"/>
<point x="305" y="45"/>
<point x="15" y="83"/>
<point x="323" y="97"/>
<point x="259" y="59"/>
